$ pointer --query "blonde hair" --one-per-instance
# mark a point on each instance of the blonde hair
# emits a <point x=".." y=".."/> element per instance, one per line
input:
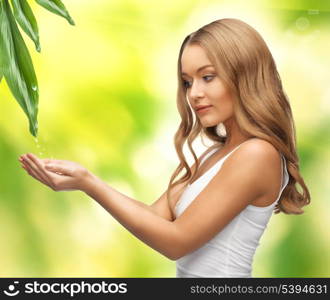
<point x="261" y="107"/>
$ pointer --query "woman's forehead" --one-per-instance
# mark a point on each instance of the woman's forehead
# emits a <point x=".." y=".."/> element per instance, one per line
<point x="198" y="69"/>
<point x="194" y="59"/>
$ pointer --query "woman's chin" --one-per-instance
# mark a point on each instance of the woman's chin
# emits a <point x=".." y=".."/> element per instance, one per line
<point x="208" y="123"/>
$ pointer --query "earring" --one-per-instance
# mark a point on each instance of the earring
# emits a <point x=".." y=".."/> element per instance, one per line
<point x="221" y="129"/>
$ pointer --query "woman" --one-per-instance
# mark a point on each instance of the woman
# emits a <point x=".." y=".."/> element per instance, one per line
<point x="210" y="221"/>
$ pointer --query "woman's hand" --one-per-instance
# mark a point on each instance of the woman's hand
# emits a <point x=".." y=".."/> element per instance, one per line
<point x="59" y="175"/>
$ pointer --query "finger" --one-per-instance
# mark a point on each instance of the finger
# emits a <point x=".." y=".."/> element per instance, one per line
<point x="34" y="164"/>
<point x="52" y="177"/>
<point x="23" y="163"/>
<point x="52" y="160"/>
<point x="40" y="167"/>
<point x="46" y="160"/>
<point x="50" y="183"/>
<point x="34" y="175"/>
<point x="49" y="161"/>
<point x="27" y="166"/>
<point x="58" y="169"/>
<point x="27" y="163"/>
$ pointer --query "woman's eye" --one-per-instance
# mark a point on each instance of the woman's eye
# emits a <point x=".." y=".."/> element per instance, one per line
<point x="211" y="76"/>
<point x="186" y="84"/>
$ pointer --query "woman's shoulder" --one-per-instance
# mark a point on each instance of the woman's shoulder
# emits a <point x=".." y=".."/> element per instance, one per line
<point x="253" y="145"/>
<point x="263" y="157"/>
<point x="259" y="144"/>
<point x="259" y="150"/>
<point x="253" y="148"/>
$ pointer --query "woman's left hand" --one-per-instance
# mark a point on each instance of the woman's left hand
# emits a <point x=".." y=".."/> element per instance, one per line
<point x="59" y="175"/>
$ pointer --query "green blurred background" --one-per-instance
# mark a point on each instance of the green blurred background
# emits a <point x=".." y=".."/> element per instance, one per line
<point x="108" y="101"/>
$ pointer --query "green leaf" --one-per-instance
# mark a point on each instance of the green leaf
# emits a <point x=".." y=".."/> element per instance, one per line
<point x="26" y="20"/>
<point x="17" y="67"/>
<point x="56" y="7"/>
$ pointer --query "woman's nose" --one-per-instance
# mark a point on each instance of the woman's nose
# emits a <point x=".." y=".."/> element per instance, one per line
<point x="196" y="91"/>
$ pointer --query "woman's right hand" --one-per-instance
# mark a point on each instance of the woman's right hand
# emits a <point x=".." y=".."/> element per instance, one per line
<point x="59" y="175"/>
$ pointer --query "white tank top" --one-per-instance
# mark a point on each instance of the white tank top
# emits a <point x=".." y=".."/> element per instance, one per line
<point x="230" y="252"/>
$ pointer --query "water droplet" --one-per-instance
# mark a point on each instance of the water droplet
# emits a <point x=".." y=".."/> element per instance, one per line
<point x="34" y="88"/>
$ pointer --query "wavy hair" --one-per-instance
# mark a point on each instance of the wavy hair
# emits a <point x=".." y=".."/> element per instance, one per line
<point x="261" y="107"/>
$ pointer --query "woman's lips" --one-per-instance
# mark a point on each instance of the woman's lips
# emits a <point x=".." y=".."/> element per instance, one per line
<point x="204" y="109"/>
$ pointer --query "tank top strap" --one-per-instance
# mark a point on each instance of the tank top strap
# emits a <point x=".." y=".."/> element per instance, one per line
<point x="228" y="154"/>
<point x="224" y="157"/>
<point x="285" y="174"/>
<point x="208" y="155"/>
<point x="284" y="181"/>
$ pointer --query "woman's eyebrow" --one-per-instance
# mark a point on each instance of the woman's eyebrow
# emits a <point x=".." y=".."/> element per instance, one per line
<point x="199" y="69"/>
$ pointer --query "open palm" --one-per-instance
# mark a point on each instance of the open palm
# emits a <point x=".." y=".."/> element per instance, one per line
<point x="59" y="175"/>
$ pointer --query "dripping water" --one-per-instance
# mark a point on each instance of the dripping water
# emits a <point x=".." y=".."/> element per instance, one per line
<point x="41" y="148"/>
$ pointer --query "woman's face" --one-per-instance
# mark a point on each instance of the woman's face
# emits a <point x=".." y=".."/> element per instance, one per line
<point x="205" y="88"/>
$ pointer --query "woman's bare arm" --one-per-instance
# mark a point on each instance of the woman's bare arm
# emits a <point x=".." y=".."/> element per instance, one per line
<point x="151" y="224"/>
<point x="138" y="218"/>
<point x="238" y="182"/>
